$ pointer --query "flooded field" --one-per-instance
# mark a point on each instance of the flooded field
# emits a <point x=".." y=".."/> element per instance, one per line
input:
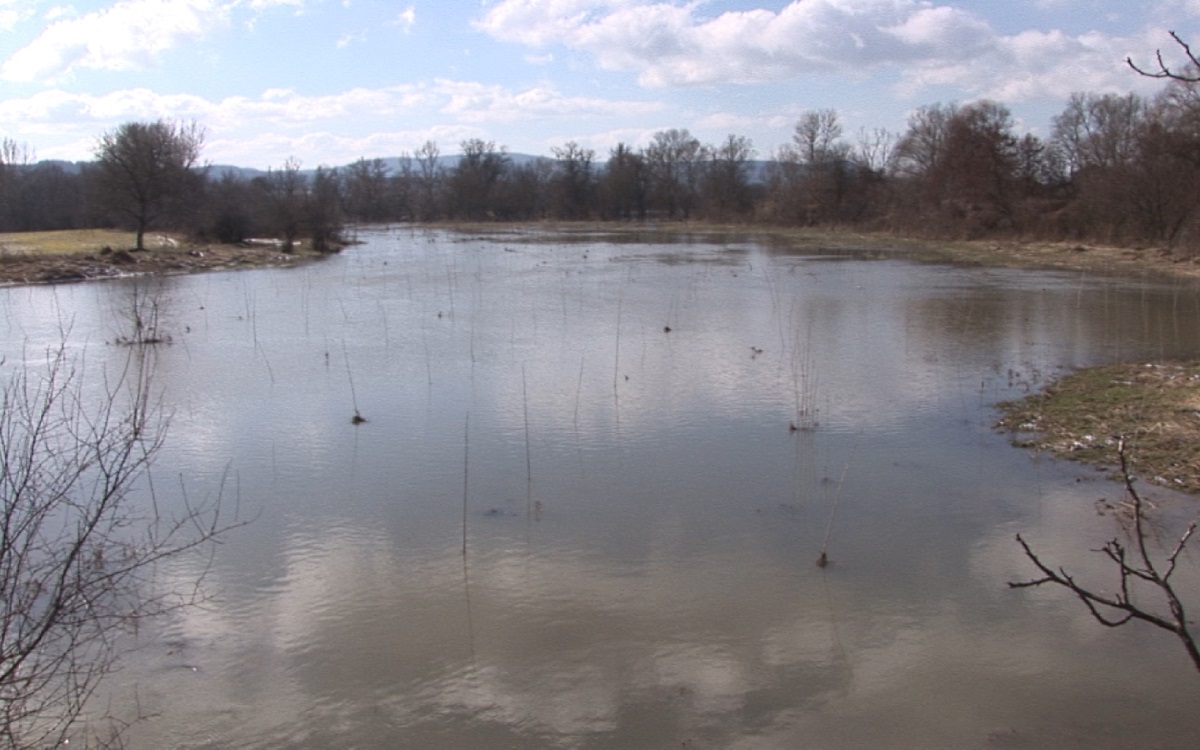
<point x="594" y="479"/>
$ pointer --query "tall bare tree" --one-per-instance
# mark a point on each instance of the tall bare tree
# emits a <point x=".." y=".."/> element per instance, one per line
<point x="624" y="185"/>
<point x="726" y="185"/>
<point x="284" y="193"/>
<point x="675" y="158"/>
<point x="146" y="169"/>
<point x="574" y="183"/>
<point x="474" y="179"/>
<point x="429" y="179"/>
<point x="366" y="186"/>
<point x="1099" y="131"/>
<point x="14" y="159"/>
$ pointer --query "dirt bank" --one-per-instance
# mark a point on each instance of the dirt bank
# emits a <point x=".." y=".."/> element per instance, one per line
<point x="80" y="255"/>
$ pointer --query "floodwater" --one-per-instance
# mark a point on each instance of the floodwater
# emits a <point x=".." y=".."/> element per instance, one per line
<point x="605" y="426"/>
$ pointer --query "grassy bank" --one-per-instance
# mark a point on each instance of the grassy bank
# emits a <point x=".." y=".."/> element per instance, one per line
<point x="1155" y="406"/>
<point x="66" y="242"/>
<point x="82" y="254"/>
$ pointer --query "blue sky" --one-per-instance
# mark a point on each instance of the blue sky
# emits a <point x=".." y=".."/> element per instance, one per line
<point x="329" y="81"/>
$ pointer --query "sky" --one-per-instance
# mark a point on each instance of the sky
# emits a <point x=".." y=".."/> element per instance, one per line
<point x="326" y="82"/>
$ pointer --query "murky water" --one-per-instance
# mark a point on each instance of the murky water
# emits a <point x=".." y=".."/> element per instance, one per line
<point x="641" y="522"/>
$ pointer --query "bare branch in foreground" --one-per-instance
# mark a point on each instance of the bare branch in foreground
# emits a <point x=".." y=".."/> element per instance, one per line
<point x="1136" y="569"/>
<point x="82" y="538"/>
<point x="1164" y="70"/>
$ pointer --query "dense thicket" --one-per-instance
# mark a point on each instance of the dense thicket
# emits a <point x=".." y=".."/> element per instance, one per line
<point x="1116" y="168"/>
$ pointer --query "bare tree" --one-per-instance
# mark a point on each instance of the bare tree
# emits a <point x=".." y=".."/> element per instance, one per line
<point x="474" y="179"/>
<point x="810" y="178"/>
<point x="322" y="211"/>
<point x="818" y="137"/>
<point x="873" y="150"/>
<point x="284" y="191"/>
<point x="366" y="186"/>
<point x="1136" y="570"/>
<point x="14" y="159"/>
<point x="81" y="538"/>
<point x="726" y="185"/>
<point x="573" y="180"/>
<point x="1099" y="131"/>
<point x="429" y="176"/>
<point x="624" y="185"/>
<point x="920" y="149"/>
<point x="675" y="158"/>
<point x="146" y="169"/>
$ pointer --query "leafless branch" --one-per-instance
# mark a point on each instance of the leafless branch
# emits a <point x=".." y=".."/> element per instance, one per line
<point x="79" y="550"/>
<point x="1116" y="609"/>
<point x="1164" y="70"/>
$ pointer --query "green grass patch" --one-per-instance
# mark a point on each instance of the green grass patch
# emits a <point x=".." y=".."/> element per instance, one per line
<point x="1155" y="407"/>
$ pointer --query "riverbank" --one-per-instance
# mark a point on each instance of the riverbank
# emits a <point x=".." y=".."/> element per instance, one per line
<point x="1004" y="253"/>
<point x="1155" y="406"/>
<point x="81" y="255"/>
<point x="78" y="255"/>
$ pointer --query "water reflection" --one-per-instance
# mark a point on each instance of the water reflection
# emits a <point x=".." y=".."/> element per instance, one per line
<point x="641" y="522"/>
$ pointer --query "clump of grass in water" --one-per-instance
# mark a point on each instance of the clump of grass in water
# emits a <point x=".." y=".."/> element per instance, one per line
<point x="144" y="319"/>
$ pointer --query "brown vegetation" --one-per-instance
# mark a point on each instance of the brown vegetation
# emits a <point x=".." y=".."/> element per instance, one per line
<point x="78" y="255"/>
<point x="1088" y="416"/>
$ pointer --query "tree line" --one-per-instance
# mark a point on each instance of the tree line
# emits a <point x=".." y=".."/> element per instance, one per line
<point x="1115" y="168"/>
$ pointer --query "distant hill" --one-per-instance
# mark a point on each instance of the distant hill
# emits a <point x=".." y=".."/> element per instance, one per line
<point x="757" y="168"/>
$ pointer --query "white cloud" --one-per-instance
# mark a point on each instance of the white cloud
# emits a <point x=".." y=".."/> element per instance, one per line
<point x="284" y="116"/>
<point x="668" y="43"/>
<point x="59" y="12"/>
<point x="477" y="102"/>
<point x="327" y="148"/>
<point x="13" y="12"/>
<point x="268" y="4"/>
<point x="407" y="19"/>
<point x="736" y="123"/>
<point x="126" y="36"/>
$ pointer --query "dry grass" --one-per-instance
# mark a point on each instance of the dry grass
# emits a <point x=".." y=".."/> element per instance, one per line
<point x="1156" y="407"/>
<point x="79" y="255"/>
<point x="66" y="242"/>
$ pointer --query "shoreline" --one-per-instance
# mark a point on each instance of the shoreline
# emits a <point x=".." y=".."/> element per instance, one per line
<point x="1074" y="417"/>
<point x="82" y="255"/>
<point x="71" y="256"/>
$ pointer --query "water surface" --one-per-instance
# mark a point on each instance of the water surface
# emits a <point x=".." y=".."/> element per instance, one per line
<point x="641" y="521"/>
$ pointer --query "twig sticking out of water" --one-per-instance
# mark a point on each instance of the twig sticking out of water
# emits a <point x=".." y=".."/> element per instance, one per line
<point x="358" y="418"/>
<point x="466" y="479"/>
<point x="617" y="348"/>
<point x="528" y="458"/>
<point x="823" y="560"/>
